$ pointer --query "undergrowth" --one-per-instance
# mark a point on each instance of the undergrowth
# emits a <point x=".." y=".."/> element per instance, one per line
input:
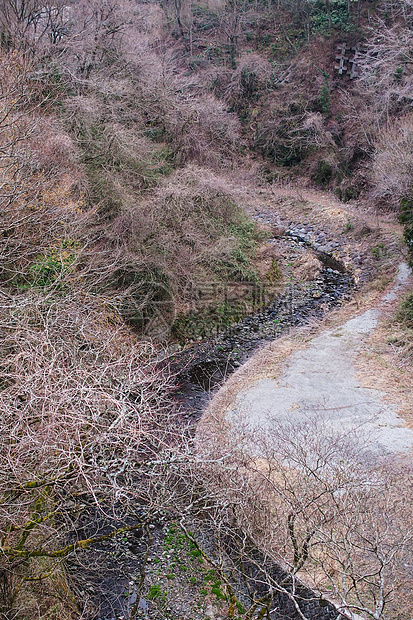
<point x="405" y="313"/>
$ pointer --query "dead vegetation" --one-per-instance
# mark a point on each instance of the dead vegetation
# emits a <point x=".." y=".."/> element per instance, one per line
<point x="387" y="361"/>
<point x="84" y="414"/>
<point x="310" y="499"/>
<point x="120" y="127"/>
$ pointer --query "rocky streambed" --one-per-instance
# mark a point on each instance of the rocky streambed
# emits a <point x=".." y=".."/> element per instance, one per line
<point x="205" y="366"/>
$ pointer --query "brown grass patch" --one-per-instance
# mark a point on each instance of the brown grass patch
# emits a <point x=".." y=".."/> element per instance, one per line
<point x="386" y="362"/>
<point x="307" y="268"/>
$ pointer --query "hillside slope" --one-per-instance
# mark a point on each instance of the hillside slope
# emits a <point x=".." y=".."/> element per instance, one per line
<point x="153" y="157"/>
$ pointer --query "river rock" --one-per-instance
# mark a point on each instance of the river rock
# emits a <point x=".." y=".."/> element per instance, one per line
<point x="278" y="230"/>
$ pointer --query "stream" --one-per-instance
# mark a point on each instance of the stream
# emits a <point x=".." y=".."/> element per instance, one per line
<point x="204" y="367"/>
<point x="111" y="582"/>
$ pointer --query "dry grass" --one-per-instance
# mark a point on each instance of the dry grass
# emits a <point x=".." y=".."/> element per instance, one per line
<point x="307" y="268"/>
<point x="386" y="362"/>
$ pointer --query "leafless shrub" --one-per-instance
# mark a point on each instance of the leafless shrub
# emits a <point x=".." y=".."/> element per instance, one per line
<point x="316" y="132"/>
<point x="87" y="429"/>
<point x="361" y="124"/>
<point x="51" y="150"/>
<point x="174" y="109"/>
<point x="36" y="206"/>
<point x="94" y="39"/>
<point x="288" y="135"/>
<point x="238" y="88"/>
<point x="207" y="134"/>
<point x="386" y="66"/>
<point x="392" y="170"/>
<point x="317" y="503"/>
<point x="158" y="253"/>
<point x="197" y="220"/>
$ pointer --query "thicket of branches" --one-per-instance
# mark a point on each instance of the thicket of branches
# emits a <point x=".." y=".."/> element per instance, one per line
<point x="87" y="428"/>
<point x="112" y="207"/>
<point x="320" y="504"/>
<point x="387" y="79"/>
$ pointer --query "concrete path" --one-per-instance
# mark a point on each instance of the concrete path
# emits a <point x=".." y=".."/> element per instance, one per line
<point x="321" y="382"/>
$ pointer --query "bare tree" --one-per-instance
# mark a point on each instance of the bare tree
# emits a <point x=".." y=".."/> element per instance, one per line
<point x="29" y="24"/>
<point x="304" y="506"/>
<point x="87" y="430"/>
<point x="386" y="67"/>
<point x="96" y="35"/>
